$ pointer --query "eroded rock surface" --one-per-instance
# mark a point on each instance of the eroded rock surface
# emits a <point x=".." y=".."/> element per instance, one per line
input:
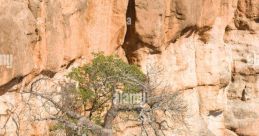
<point x="45" y="35"/>
<point x="207" y="49"/>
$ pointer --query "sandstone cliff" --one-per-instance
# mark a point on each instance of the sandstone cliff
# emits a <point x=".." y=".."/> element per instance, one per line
<point x="208" y="49"/>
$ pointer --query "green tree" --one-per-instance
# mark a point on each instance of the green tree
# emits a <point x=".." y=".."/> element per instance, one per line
<point x="98" y="82"/>
<point x="88" y="107"/>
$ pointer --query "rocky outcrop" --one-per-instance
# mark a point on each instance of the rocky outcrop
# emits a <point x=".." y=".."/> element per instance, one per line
<point x="207" y="49"/>
<point x="45" y="35"/>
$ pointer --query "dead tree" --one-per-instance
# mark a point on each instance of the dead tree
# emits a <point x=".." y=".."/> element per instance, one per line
<point x="77" y="114"/>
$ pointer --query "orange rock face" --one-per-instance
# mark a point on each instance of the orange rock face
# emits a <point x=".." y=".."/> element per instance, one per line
<point x="46" y="35"/>
<point x="207" y="48"/>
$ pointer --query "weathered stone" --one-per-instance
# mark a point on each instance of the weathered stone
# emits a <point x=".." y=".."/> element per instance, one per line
<point x="207" y="49"/>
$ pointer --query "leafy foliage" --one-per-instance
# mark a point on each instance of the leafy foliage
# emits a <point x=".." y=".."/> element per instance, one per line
<point x="99" y="80"/>
<point x="89" y="110"/>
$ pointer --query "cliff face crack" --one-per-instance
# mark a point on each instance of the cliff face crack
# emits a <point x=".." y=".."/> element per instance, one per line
<point x="130" y="42"/>
<point x="10" y="84"/>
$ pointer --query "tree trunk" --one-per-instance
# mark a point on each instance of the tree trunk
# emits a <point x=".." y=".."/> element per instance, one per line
<point x="111" y="114"/>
